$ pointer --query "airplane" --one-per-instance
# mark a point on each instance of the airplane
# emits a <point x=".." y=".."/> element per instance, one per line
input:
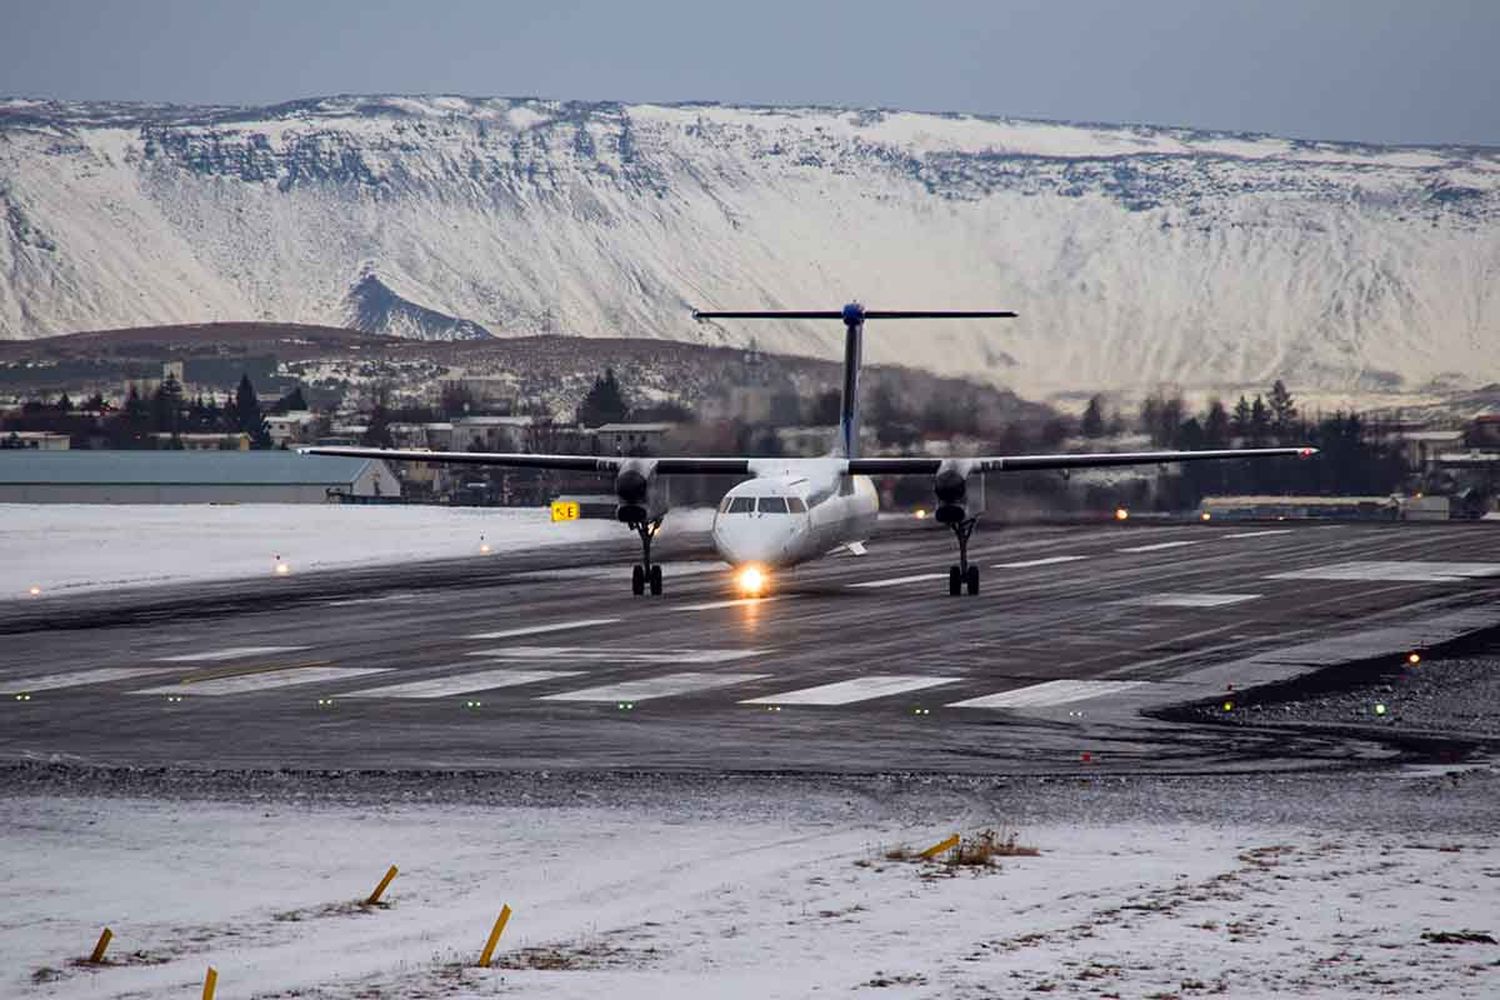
<point x="790" y="511"/>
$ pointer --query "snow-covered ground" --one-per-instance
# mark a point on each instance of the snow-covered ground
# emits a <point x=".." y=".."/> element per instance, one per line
<point x="755" y="895"/>
<point x="78" y="547"/>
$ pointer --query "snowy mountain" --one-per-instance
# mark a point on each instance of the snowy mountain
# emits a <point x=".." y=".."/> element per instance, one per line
<point x="1135" y="255"/>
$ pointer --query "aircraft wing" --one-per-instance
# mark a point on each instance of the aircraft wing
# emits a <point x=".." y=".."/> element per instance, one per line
<point x="1027" y="463"/>
<point x="522" y="460"/>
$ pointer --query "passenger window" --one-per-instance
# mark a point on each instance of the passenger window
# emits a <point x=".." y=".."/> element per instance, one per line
<point x="798" y="507"/>
<point x="742" y="505"/>
<point x="773" y="505"/>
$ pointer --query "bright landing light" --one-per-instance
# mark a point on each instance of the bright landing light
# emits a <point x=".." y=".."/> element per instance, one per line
<point x="1121" y="514"/>
<point x="751" y="581"/>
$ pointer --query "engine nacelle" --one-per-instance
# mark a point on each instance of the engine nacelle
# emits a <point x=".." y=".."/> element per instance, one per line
<point x="960" y="493"/>
<point x="639" y="503"/>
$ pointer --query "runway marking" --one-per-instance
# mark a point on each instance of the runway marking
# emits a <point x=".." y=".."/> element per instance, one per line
<point x="1158" y="546"/>
<point x="480" y="680"/>
<point x="624" y="654"/>
<point x="734" y="602"/>
<point x="1260" y="534"/>
<point x="265" y="681"/>
<point x="1049" y="693"/>
<point x="1410" y="572"/>
<point x="896" y="581"/>
<point x="655" y="687"/>
<point x="539" y="629"/>
<point x="1028" y="563"/>
<point x="232" y="653"/>
<point x="1188" y="600"/>
<point x="77" y="679"/>
<point x="848" y="692"/>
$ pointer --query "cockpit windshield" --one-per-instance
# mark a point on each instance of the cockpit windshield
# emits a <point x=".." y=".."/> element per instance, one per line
<point x="773" y="505"/>
<point x="741" y="505"/>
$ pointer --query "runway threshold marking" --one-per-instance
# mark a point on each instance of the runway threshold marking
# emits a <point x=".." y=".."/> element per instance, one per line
<point x="848" y="692"/>
<point x="264" y="681"/>
<point x="611" y="654"/>
<point x="655" y="687"/>
<point x="1260" y="534"/>
<point x="232" y="653"/>
<point x="1170" y="600"/>
<point x="511" y="633"/>
<point x="1158" y="546"/>
<point x="896" y="581"/>
<point x="78" y="678"/>
<point x="1389" y="571"/>
<point x="1049" y="693"/>
<point x="480" y="680"/>
<point x="1048" y="561"/>
<point x="734" y="602"/>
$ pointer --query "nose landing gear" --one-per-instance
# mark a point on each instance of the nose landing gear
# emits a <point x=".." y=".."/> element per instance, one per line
<point x="964" y="576"/>
<point x="646" y="573"/>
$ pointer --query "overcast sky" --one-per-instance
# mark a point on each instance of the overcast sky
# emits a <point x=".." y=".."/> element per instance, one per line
<point x="1407" y="71"/>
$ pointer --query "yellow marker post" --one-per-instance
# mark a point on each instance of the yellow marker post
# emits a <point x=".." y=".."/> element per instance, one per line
<point x="104" y="939"/>
<point x="939" y="848"/>
<point x="565" y="510"/>
<point x="380" y="889"/>
<point x="489" y="946"/>
<point x="210" y="983"/>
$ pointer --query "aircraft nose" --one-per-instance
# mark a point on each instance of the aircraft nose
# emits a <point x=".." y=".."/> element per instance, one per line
<point x="759" y="540"/>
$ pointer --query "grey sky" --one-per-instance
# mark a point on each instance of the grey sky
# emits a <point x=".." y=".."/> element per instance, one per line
<point x="1408" y="71"/>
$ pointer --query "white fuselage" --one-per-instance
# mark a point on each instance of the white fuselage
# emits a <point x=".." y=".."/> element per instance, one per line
<point x="794" y="510"/>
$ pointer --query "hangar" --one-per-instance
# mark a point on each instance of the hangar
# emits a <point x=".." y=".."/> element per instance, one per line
<point x="28" y="476"/>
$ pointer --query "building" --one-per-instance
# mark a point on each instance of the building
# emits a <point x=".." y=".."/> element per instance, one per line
<point x="1282" y="507"/>
<point x="239" y="441"/>
<point x="36" y="440"/>
<point x="632" y="439"/>
<point x="188" y="477"/>
<point x="292" y="427"/>
<point x="492" y="433"/>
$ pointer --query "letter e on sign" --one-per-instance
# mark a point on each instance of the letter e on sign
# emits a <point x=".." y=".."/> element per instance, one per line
<point x="564" y="510"/>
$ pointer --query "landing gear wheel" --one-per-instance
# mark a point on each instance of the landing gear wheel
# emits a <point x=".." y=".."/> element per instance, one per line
<point x="955" y="581"/>
<point x="638" y="580"/>
<point x="655" y="576"/>
<point x="971" y="580"/>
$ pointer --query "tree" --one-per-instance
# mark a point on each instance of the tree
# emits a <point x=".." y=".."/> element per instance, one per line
<point x="293" y="400"/>
<point x="378" y="430"/>
<point x="166" y="404"/>
<point x="1283" y="411"/>
<point x="1092" y="425"/>
<point x="604" y="403"/>
<point x="247" y="416"/>
<point x="1260" y="422"/>
<point x="1216" y="425"/>
<point x="64" y="404"/>
<point x="1240" y="422"/>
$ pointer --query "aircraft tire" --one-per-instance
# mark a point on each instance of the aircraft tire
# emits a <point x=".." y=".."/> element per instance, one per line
<point x="955" y="582"/>
<point x="638" y="580"/>
<point x="973" y="580"/>
<point x="656" y="580"/>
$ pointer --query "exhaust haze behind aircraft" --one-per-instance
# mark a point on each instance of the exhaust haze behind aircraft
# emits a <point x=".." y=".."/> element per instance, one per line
<point x="790" y="510"/>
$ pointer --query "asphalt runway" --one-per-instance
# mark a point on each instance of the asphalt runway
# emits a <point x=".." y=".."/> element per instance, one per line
<point x="544" y="661"/>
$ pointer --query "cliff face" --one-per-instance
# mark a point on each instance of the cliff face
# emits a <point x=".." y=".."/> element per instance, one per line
<point x="1135" y="255"/>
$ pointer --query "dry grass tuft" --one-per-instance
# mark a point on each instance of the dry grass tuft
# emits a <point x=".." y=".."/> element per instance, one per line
<point x="985" y="848"/>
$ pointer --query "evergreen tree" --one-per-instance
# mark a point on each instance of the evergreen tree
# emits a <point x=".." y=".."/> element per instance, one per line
<point x="1092" y="425"/>
<point x="604" y="403"/>
<point x="1216" y="425"/>
<point x="247" y="415"/>
<point x="1260" y="422"/>
<point x="95" y="404"/>
<point x="1283" y="411"/>
<point x="293" y="400"/>
<point x="64" y="404"/>
<point x="166" y="406"/>
<point x="378" y="430"/>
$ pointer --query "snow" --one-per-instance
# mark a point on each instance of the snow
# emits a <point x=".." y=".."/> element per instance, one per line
<point x="73" y="548"/>
<point x="659" y="901"/>
<point x="1135" y="255"/>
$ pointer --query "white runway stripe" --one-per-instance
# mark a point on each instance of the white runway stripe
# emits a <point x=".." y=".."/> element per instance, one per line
<point x="1049" y="561"/>
<point x="1157" y="547"/>
<point x="1188" y="600"/>
<point x="480" y="680"/>
<point x="539" y="629"/>
<point x="78" y="678"/>
<point x="655" y="687"/>
<point x="1049" y="693"/>
<point x="1259" y="534"/>
<point x="896" y="581"/>
<point x="607" y="654"/>
<point x="266" y="681"/>
<point x="232" y="653"/>
<point x="848" y="692"/>
<point x="1410" y="572"/>
<point x="735" y="602"/>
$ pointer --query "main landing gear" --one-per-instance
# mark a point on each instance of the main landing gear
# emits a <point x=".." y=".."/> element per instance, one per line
<point x="964" y="576"/>
<point x="646" y="573"/>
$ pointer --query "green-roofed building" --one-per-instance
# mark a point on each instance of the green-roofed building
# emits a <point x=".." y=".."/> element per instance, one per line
<point x="31" y="476"/>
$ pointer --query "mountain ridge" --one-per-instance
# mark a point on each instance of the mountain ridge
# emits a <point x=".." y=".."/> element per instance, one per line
<point x="1136" y="254"/>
